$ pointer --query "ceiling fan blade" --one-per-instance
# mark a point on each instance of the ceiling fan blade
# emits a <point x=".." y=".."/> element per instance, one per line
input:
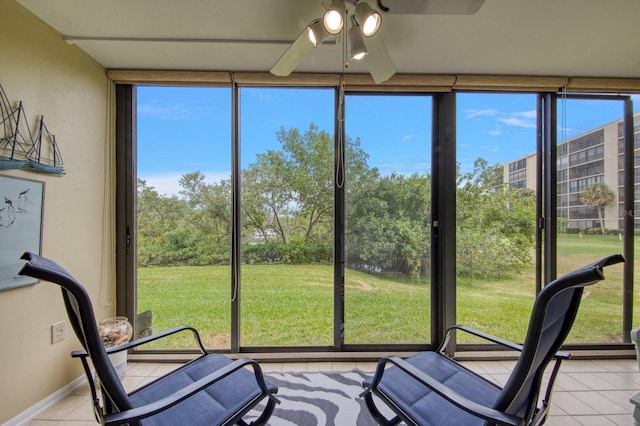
<point x="378" y="60"/>
<point x="292" y="57"/>
<point x="430" y="7"/>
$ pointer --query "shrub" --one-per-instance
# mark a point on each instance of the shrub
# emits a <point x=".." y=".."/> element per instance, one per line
<point x="269" y="252"/>
<point x="303" y="251"/>
<point x="573" y="231"/>
<point x="296" y="252"/>
<point x="489" y="255"/>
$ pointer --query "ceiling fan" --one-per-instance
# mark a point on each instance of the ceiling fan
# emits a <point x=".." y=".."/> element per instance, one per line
<point x="363" y="36"/>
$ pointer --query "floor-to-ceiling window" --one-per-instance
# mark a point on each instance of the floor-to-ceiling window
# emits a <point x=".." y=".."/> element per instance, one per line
<point x="387" y="219"/>
<point x="304" y="279"/>
<point x="287" y="185"/>
<point x="591" y="173"/>
<point x="496" y="212"/>
<point x="184" y="212"/>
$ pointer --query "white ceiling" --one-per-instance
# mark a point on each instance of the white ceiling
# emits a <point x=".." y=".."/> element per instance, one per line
<point x="586" y="38"/>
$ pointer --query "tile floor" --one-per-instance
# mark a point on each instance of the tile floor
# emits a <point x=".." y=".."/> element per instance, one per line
<point x="594" y="392"/>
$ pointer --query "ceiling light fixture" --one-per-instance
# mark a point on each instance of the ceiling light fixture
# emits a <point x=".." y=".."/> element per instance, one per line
<point x="368" y="18"/>
<point x="356" y="42"/>
<point x="333" y="18"/>
<point x="361" y="39"/>
<point x="316" y="32"/>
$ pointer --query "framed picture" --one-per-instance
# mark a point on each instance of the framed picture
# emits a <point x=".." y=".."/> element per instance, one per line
<point x="21" y="210"/>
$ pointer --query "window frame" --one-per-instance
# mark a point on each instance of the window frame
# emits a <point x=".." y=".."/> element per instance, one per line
<point x="443" y="173"/>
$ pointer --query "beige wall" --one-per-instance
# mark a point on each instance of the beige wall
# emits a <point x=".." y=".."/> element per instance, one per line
<point x="56" y="79"/>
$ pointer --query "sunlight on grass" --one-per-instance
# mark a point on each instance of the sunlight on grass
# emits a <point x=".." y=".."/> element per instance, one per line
<point x="600" y="316"/>
<point x="196" y="296"/>
<point x="384" y="310"/>
<point x="292" y="305"/>
<point x="287" y="305"/>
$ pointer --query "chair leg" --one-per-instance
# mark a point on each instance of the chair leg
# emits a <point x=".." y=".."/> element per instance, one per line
<point x="266" y="414"/>
<point x="540" y="416"/>
<point x="376" y="414"/>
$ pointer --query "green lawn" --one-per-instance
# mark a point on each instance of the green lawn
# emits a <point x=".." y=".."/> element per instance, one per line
<point x="289" y="305"/>
<point x="600" y="315"/>
<point x="292" y="305"/>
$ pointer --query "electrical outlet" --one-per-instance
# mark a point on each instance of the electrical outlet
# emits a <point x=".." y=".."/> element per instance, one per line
<point x="57" y="332"/>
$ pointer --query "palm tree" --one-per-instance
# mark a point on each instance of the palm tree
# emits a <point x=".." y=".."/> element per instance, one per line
<point x="598" y="195"/>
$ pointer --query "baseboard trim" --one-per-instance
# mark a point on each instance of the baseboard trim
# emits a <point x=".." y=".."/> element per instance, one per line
<point x="27" y="415"/>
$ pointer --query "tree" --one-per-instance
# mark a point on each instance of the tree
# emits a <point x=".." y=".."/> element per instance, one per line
<point x="210" y="206"/>
<point x="495" y="225"/>
<point x="598" y="196"/>
<point x="310" y="158"/>
<point x="389" y="223"/>
<point x="288" y="204"/>
<point x="288" y="193"/>
<point x="209" y="221"/>
<point x="160" y="220"/>
<point x="267" y="196"/>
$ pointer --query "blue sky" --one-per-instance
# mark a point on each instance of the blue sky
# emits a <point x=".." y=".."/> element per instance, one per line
<point x="185" y="129"/>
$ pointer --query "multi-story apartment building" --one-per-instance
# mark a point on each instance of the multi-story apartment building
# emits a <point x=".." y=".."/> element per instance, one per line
<point x="593" y="156"/>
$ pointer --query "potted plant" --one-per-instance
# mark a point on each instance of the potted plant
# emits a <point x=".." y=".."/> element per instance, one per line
<point x="115" y="332"/>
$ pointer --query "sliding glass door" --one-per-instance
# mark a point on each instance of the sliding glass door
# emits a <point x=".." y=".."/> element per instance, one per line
<point x="287" y="185"/>
<point x="496" y="212"/>
<point x="387" y="186"/>
<point x="183" y="219"/>
<point x="591" y="212"/>
<point x="300" y="218"/>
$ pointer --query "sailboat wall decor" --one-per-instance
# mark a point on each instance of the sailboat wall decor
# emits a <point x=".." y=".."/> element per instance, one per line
<point x="14" y="145"/>
<point x="44" y="155"/>
<point x="19" y="149"/>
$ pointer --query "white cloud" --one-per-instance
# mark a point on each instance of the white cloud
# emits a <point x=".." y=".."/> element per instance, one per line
<point x="528" y="114"/>
<point x="407" y="137"/>
<point x="490" y="148"/>
<point x="472" y="113"/>
<point x="166" y="185"/>
<point x="169" y="184"/>
<point x="518" y="122"/>
<point x="526" y="119"/>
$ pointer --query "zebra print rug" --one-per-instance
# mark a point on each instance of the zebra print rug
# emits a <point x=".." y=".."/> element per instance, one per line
<point x="320" y="399"/>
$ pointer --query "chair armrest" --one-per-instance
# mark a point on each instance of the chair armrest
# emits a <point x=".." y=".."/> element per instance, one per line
<point x="180" y="395"/>
<point x="486" y="336"/>
<point x="147" y="339"/>
<point x="486" y="413"/>
<point x="498" y="340"/>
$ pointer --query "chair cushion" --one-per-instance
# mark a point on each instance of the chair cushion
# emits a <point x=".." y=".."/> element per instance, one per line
<point x="427" y="407"/>
<point x="212" y="406"/>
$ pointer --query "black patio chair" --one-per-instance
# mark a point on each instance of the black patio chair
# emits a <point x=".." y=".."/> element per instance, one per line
<point x="212" y="389"/>
<point x="430" y="388"/>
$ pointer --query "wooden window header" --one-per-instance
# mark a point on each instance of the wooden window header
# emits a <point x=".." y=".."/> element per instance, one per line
<point x="187" y="78"/>
<point x="397" y="83"/>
